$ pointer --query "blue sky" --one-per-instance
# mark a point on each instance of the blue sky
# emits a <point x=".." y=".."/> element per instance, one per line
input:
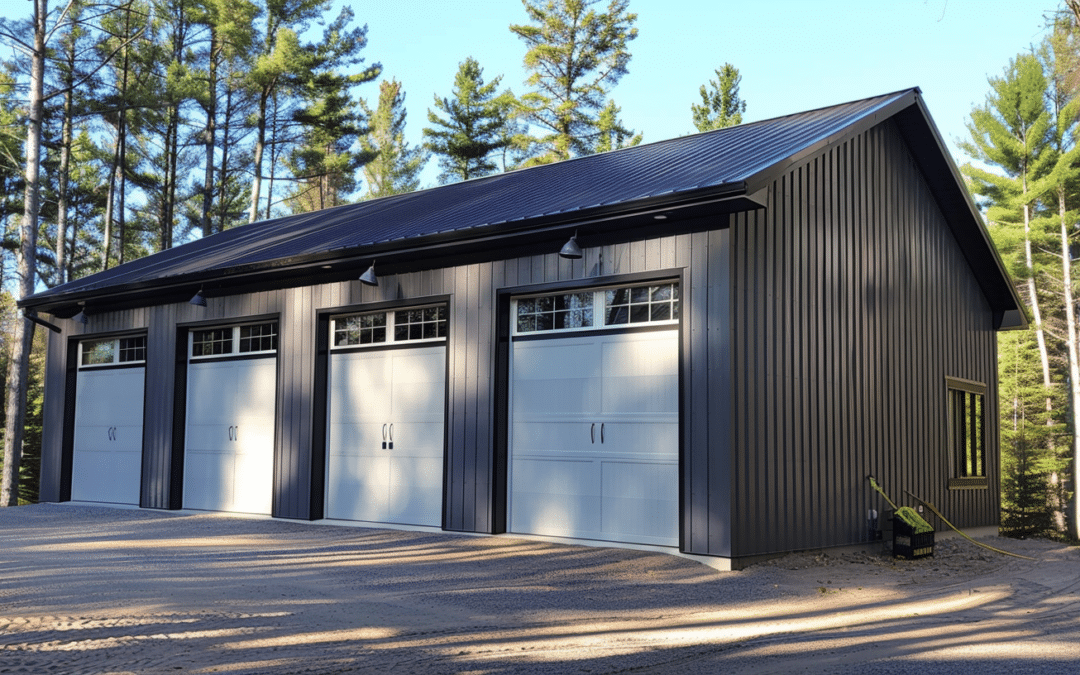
<point x="793" y="55"/>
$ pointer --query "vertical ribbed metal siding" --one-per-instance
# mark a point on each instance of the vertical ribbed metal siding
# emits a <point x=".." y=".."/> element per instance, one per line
<point x="852" y="304"/>
<point x="469" y="497"/>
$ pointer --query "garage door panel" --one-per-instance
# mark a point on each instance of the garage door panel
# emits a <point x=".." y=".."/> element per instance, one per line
<point x="570" y="396"/>
<point x="396" y="395"/>
<point x="229" y="436"/>
<point x="256" y="391"/>
<point x="564" y="477"/>
<point x="655" y="439"/>
<point x="415" y="492"/>
<point x="543" y="436"/>
<point x="359" y="489"/>
<point x="128" y="438"/>
<point x="422" y="366"/>
<point x="641" y="394"/>
<point x="207" y="437"/>
<point x="420" y="439"/>
<point x="106" y="475"/>
<point x="353" y="380"/>
<point x="595" y="436"/>
<point x="562" y="359"/>
<point x="255" y="436"/>
<point x="576" y="509"/>
<point x="640" y="355"/>
<point x="107" y="443"/>
<point x="355" y="439"/>
<point x="253" y="471"/>
<point x="208" y="480"/>
<point x="417" y="399"/>
<point x="210" y="385"/>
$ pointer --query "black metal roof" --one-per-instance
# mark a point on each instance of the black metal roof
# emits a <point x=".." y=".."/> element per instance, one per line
<point x="727" y="163"/>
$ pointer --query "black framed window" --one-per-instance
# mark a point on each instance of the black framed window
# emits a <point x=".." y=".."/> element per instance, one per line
<point x="112" y="351"/>
<point x="255" y="338"/>
<point x="212" y="342"/>
<point x="967" y="433"/>
<point x="414" y="324"/>
<point x="261" y="337"/>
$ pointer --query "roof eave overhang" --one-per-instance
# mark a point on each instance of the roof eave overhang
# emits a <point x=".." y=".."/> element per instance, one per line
<point x="486" y="241"/>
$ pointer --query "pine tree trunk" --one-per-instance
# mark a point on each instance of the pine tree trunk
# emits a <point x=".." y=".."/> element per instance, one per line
<point x="210" y="136"/>
<point x="1040" y="336"/>
<point x="65" y="164"/>
<point x="23" y="331"/>
<point x="1074" y="360"/>
<point x="260" y="143"/>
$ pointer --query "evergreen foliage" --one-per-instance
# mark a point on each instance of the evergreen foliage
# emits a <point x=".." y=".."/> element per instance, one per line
<point x="395" y="167"/>
<point x="476" y="127"/>
<point x="575" y="55"/>
<point x="720" y="105"/>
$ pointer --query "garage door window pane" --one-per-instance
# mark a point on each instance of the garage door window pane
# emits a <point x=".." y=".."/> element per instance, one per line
<point x="211" y="342"/>
<point x="133" y="349"/>
<point x="360" y="329"/>
<point x="564" y="311"/>
<point x="258" y="338"/>
<point x="426" y="323"/>
<point x="98" y="352"/>
<point x="641" y="304"/>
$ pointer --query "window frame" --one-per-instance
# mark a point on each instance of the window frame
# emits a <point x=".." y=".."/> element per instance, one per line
<point x="116" y="354"/>
<point x="234" y="341"/>
<point x="600" y="308"/>
<point x="966" y="427"/>
<point x="390" y="326"/>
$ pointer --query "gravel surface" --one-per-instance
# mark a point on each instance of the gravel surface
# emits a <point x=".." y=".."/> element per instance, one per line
<point x="98" y="590"/>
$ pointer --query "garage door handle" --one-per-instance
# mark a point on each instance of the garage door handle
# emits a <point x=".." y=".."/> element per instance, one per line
<point x="391" y="435"/>
<point x="592" y="433"/>
<point x="384" y="437"/>
<point x="602" y="432"/>
<point x="236" y="433"/>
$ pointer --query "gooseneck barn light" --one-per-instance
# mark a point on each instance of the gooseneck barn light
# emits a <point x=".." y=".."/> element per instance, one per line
<point x="199" y="300"/>
<point x="571" y="250"/>
<point x="81" y="318"/>
<point x="368" y="278"/>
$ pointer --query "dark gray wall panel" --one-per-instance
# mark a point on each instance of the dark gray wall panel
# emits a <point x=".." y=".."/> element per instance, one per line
<point x="53" y="414"/>
<point x="851" y="304"/>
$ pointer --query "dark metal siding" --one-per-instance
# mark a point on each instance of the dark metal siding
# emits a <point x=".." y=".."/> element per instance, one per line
<point x="852" y="303"/>
<point x="53" y="414"/>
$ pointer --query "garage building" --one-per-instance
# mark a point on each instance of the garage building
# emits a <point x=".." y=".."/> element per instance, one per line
<point x="759" y="318"/>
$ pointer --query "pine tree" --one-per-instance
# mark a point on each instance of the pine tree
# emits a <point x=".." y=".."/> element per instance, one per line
<point x="575" y="56"/>
<point x="474" y="131"/>
<point x="611" y="133"/>
<point x="325" y="165"/>
<point x="1011" y="133"/>
<point x="396" y="167"/>
<point x="720" y="105"/>
<point x="284" y="65"/>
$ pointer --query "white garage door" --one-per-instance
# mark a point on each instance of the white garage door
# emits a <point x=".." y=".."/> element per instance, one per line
<point x="387" y="399"/>
<point x="595" y="415"/>
<point x="229" y="439"/>
<point x="107" y="454"/>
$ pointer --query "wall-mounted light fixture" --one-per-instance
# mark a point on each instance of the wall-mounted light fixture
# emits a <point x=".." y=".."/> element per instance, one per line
<point x="368" y="278"/>
<point x="199" y="300"/>
<point x="81" y="317"/>
<point x="571" y="250"/>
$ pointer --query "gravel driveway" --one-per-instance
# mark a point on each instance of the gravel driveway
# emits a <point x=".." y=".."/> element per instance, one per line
<point x="97" y="590"/>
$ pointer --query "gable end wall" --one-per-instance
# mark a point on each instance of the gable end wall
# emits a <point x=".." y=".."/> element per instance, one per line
<point x="851" y="305"/>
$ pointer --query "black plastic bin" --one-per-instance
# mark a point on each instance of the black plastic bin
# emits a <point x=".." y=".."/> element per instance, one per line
<point x="907" y="544"/>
